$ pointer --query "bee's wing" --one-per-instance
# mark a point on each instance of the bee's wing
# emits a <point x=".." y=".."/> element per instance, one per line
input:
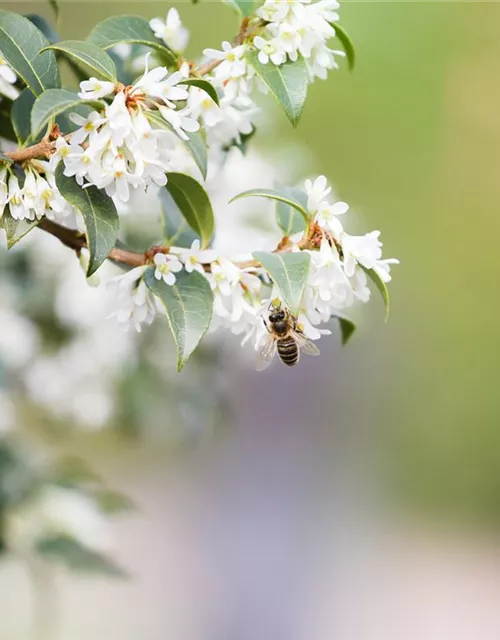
<point x="266" y="354"/>
<point x="306" y="346"/>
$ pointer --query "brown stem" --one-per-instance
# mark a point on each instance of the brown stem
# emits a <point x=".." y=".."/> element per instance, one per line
<point x="42" y="149"/>
<point x="76" y="241"/>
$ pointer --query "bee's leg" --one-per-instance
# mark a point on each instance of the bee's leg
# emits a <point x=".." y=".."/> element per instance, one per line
<point x="266" y="325"/>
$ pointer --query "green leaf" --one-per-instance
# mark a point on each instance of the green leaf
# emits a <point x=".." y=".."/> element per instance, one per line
<point x="245" y="7"/>
<point x="288" y="83"/>
<point x="77" y="557"/>
<point x="289" y="220"/>
<point x="286" y="196"/>
<point x="15" y="230"/>
<point x="381" y="286"/>
<point x="130" y="30"/>
<point x="189" y="306"/>
<point x="99" y="214"/>
<point x="289" y="272"/>
<point x="193" y="203"/>
<point x="205" y="85"/>
<point x="54" y="102"/>
<point x="89" y="56"/>
<point x="21" y="114"/>
<point x="45" y="27"/>
<point x="176" y="230"/>
<point x="347" y="327"/>
<point x="195" y="144"/>
<point x="6" y="128"/>
<point x="346" y="43"/>
<point x="20" y="45"/>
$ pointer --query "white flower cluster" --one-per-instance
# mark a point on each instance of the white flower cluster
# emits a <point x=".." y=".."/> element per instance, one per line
<point x="242" y="294"/>
<point x="117" y="149"/>
<point x="298" y="27"/>
<point x="37" y="197"/>
<point x="233" y="79"/>
<point x="8" y="79"/>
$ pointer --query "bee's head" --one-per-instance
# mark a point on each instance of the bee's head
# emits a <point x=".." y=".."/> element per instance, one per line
<point x="277" y="315"/>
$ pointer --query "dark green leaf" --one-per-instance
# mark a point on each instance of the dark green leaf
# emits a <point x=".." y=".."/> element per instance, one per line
<point x="189" y="305"/>
<point x="289" y="272"/>
<point x="77" y="557"/>
<point x="54" y="102"/>
<point x="176" y="230"/>
<point x="15" y="230"/>
<point x="89" y="56"/>
<point x="381" y="286"/>
<point x="21" y="114"/>
<point x="288" y="83"/>
<point x="195" y="144"/>
<point x="286" y="196"/>
<point x="130" y="30"/>
<point x="347" y="45"/>
<point x="245" y="7"/>
<point x="205" y="85"/>
<point x="20" y="44"/>
<point x="6" y="128"/>
<point x="193" y="203"/>
<point x="99" y="214"/>
<point x="41" y="23"/>
<point x="347" y="327"/>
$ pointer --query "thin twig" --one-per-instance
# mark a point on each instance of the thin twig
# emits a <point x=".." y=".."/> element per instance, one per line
<point x="76" y="241"/>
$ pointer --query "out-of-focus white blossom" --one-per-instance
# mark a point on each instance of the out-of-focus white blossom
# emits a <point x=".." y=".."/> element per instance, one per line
<point x="56" y="511"/>
<point x="171" y="31"/>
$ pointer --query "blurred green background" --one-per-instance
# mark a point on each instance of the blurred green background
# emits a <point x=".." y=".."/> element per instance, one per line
<point x="411" y="140"/>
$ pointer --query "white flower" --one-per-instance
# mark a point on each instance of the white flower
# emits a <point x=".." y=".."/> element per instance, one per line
<point x="171" y="31"/>
<point x="180" y="121"/>
<point x="158" y="83"/>
<point x="232" y="64"/>
<point x="166" y="267"/>
<point x="365" y="250"/>
<point x="270" y="50"/>
<point x="94" y="89"/>
<point x="4" y="191"/>
<point x="326" y="216"/>
<point x="7" y="80"/>
<point x="18" y="209"/>
<point x="135" y="303"/>
<point x="202" y="106"/>
<point x="194" y="258"/>
<point x="89" y="127"/>
<point x="316" y="192"/>
<point x="62" y="150"/>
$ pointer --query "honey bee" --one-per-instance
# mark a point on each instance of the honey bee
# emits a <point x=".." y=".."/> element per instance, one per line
<point x="285" y="337"/>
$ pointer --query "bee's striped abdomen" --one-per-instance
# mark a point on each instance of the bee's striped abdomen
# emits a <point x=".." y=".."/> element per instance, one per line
<point x="288" y="351"/>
